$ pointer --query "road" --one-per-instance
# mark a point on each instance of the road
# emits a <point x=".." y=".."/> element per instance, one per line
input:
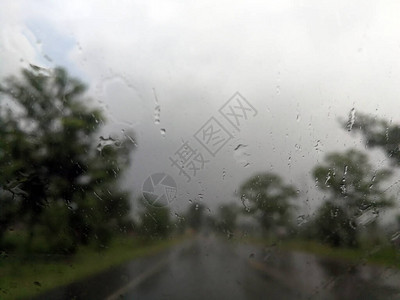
<point x="211" y="268"/>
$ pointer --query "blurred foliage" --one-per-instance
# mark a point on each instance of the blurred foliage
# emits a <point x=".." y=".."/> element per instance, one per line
<point x="226" y="218"/>
<point x="155" y="222"/>
<point x="354" y="188"/>
<point x="379" y="133"/>
<point x="54" y="181"/>
<point x="267" y="197"/>
<point x="334" y="227"/>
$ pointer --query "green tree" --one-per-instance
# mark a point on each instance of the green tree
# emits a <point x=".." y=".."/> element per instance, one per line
<point x="155" y="222"/>
<point x="353" y="188"/>
<point x="48" y="157"/>
<point x="379" y="133"/>
<point x="226" y="218"/>
<point x="268" y="198"/>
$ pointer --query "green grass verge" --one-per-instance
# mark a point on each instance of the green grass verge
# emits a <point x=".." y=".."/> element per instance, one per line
<point x="24" y="279"/>
<point x="379" y="255"/>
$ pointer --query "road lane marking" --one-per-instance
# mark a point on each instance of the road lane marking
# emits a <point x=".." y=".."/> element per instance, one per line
<point x="139" y="279"/>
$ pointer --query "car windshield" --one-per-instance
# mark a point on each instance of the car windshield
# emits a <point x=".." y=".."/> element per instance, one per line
<point x="199" y="149"/>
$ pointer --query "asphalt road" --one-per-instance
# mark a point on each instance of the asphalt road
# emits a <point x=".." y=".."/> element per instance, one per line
<point x="211" y="268"/>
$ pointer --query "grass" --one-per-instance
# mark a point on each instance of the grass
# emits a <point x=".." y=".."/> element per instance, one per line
<point x="21" y="279"/>
<point x="385" y="255"/>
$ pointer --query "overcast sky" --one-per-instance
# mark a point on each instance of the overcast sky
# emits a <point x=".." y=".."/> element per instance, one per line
<point x="301" y="65"/>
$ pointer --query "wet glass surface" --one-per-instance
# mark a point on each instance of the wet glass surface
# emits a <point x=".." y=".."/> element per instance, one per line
<point x="177" y="150"/>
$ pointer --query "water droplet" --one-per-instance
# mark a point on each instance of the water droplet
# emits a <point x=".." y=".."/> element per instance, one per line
<point x="343" y="188"/>
<point x="97" y="196"/>
<point x="157" y="111"/>
<point x="302" y="219"/>
<point x="239" y="146"/>
<point x="352" y="119"/>
<point x="129" y="137"/>
<point x="163" y="132"/>
<point x="352" y="224"/>
<point x="395" y="236"/>
<point x="328" y="177"/>
<point x="180" y="218"/>
<point x="107" y="142"/>
<point x="318" y="145"/>
<point x="245" y="202"/>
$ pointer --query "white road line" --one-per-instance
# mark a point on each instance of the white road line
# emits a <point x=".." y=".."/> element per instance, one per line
<point x="139" y="279"/>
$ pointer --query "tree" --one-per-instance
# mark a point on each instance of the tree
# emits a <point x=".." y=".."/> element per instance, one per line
<point x="226" y="219"/>
<point x="379" y="133"/>
<point x="48" y="157"/>
<point x="268" y="197"/>
<point x="155" y="222"/>
<point x="353" y="188"/>
<point x="333" y="226"/>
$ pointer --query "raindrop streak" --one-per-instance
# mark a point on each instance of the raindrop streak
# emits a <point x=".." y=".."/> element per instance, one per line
<point x="352" y="119"/>
<point x="372" y="182"/>
<point x="343" y="188"/>
<point x="157" y="109"/>
<point x="395" y="236"/>
<point x="328" y="177"/>
<point x="240" y="146"/>
<point x="244" y="199"/>
<point x="302" y="219"/>
<point x="97" y="196"/>
<point x="129" y="137"/>
<point x="345" y="170"/>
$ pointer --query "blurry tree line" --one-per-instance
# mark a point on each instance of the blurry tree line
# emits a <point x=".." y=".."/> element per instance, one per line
<point x="59" y="183"/>
<point x="58" y="188"/>
<point x="60" y="179"/>
<point x="353" y="199"/>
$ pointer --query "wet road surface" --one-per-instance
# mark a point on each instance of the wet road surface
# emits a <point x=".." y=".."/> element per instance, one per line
<point x="211" y="268"/>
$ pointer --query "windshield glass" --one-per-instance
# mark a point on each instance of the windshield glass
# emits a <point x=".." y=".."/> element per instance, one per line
<point x="194" y="150"/>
